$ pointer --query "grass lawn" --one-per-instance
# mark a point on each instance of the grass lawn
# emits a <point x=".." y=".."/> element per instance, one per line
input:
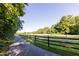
<point x="61" y="50"/>
<point x="64" y="47"/>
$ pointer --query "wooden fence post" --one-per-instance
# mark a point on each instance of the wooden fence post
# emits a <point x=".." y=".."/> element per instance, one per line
<point x="48" y="41"/>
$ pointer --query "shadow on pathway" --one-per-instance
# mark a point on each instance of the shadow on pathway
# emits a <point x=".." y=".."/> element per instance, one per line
<point x="22" y="48"/>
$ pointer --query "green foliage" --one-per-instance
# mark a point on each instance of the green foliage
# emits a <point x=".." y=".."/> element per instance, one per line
<point x="68" y="25"/>
<point x="64" y="25"/>
<point x="53" y="30"/>
<point x="45" y="30"/>
<point x="75" y="28"/>
<point x="9" y="19"/>
<point x="4" y="47"/>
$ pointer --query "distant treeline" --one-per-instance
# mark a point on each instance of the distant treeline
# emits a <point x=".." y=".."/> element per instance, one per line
<point x="68" y="25"/>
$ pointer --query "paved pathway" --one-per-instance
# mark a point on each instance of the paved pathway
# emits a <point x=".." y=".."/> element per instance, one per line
<point x="22" y="48"/>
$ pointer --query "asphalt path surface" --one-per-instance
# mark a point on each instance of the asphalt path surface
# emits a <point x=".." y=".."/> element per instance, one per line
<point x="23" y="48"/>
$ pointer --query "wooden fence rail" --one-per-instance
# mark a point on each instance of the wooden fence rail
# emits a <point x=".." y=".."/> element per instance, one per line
<point x="48" y="39"/>
<point x="67" y="43"/>
<point x="36" y="38"/>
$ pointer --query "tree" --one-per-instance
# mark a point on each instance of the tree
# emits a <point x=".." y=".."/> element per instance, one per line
<point x="63" y="27"/>
<point x="46" y="30"/>
<point x="75" y="28"/>
<point x="68" y="25"/>
<point x="53" y="30"/>
<point x="9" y="19"/>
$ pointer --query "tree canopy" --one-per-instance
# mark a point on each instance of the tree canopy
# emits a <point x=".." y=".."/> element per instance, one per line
<point x="10" y="22"/>
<point x="68" y="25"/>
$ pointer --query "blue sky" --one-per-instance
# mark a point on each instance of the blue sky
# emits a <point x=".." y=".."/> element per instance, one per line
<point x="39" y="15"/>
